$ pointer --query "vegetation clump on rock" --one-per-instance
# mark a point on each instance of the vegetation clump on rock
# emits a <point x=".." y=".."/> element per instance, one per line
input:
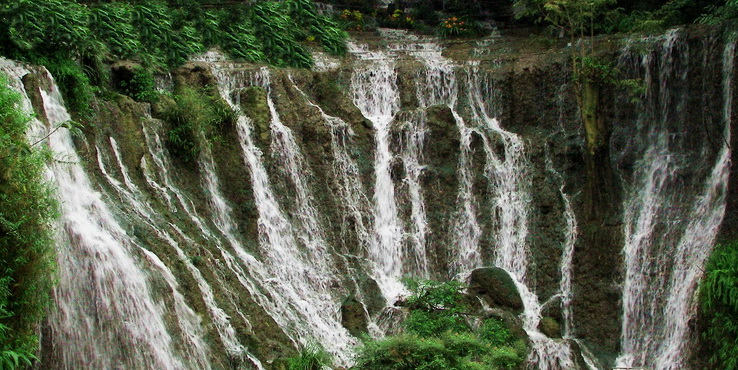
<point x="439" y="334"/>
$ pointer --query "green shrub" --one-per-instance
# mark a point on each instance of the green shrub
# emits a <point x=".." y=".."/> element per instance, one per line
<point x="505" y="358"/>
<point x="405" y="352"/>
<point x="141" y="86"/>
<point x="192" y="115"/>
<point x="27" y="208"/>
<point x="495" y="332"/>
<point x="436" y="308"/>
<point x="438" y="337"/>
<point x="464" y="344"/>
<point x="312" y="357"/>
<point x="719" y="294"/>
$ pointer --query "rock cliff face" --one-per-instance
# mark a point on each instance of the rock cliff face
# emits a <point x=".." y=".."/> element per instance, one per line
<point x="406" y="158"/>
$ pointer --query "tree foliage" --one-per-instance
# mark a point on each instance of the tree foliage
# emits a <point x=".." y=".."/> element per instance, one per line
<point x="159" y="35"/>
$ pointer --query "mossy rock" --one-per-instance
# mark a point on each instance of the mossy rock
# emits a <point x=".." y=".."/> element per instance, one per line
<point x="34" y="83"/>
<point x="373" y="298"/>
<point x="354" y="317"/>
<point x="254" y="105"/>
<point x="550" y="327"/>
<point x="497" y="287"/>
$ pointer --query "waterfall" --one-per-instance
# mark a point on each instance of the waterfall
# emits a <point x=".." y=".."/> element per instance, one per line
<point x="133" y="196"/>
<point x="156" y="272"/>
<point x="567" y="255"/>
<point x="668" y="237"/>
<point x="375" y="93"/>
<point x="506" y="172"/>
<point x="97" y="266"/>
<point x="309" y="309"/>
<point x="158" y="153"/>
<point x="439" y="87"/>
<point x="411" y="153"/>
<point x="347" y="177"/>
<point x="188" y="321"/>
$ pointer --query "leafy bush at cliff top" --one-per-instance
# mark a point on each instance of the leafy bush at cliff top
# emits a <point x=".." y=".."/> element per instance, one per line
<point x="159" y="35"/>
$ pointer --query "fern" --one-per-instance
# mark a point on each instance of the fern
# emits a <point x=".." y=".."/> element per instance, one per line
<point x="720" y="306"/>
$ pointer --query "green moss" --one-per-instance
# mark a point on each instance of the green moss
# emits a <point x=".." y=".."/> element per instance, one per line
<point x="254" y="105"/>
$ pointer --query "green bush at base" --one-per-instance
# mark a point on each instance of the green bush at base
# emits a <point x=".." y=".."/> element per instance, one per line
<point x="719" y="298"/>
<point x="438" y="337"/>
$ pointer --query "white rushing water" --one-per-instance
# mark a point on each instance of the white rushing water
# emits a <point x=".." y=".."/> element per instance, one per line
<point x="375" y="93"/>
<point x="98" y="267"/>
<point x="297" y="265"/>
<point x="188" y="321"/>
<point x="411" y="153"/>
<point x="567" y="255"/>
<point x="665" y="257"/>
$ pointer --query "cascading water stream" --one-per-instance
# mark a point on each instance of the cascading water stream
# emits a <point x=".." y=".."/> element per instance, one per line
<point x="303" y="278"/>
<point x="567" y="255"/>
<point x="97" y="268"/>
<point x="348" y="179"/>
<point x="411" y="153"/>
<point x="350" y="191"/>
<point x="375" y="93"/>
<point x="439" y="87"/>
<point x="668" y="239"/>
<point x="133" y="196"/>
<point x="188" y="321"/>
<point x="160" y="158"/>
<point x="506" y="171"/>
